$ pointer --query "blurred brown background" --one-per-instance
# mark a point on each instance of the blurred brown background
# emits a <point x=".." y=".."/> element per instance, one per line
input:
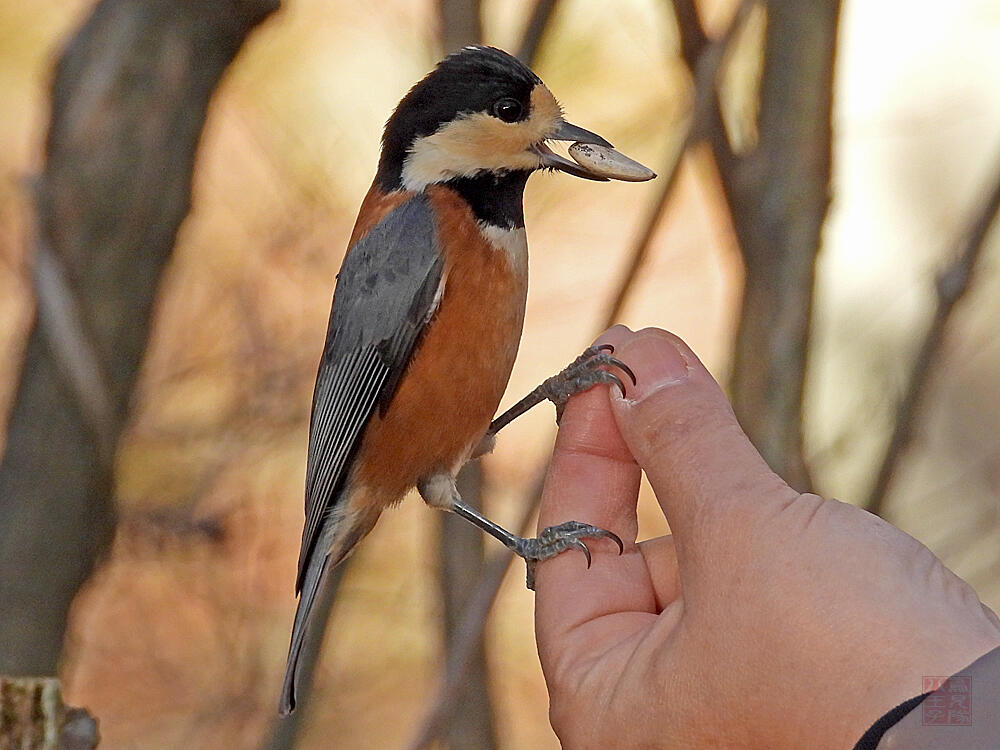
<point x="178" y="639"/>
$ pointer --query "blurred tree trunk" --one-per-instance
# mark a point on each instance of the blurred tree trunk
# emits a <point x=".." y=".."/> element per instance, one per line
<point x="462" y="559"/>
<point x="460" y="24"/>
<point x="778" y="194"/>
<point x="129" y="100"/>
<point x="460" y="544"/>
<point x="534" y="31"/>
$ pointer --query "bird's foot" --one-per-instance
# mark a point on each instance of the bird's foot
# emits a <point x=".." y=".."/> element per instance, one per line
<point x="584" y="373"/>
<point x="556" y="539"/>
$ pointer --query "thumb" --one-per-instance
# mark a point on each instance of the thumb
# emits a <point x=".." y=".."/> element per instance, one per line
<point x="710" y="481"/>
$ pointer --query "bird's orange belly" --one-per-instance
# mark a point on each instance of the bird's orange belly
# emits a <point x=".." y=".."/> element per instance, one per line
<point x="457" y="376"/>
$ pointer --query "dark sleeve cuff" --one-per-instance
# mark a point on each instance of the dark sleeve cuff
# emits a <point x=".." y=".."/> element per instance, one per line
<point x="962" y="714"/>
<point x="871" y="738"/>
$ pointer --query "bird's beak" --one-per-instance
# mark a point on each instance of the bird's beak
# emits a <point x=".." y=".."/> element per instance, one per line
<point x="609" y="165"/>
<point x="568" y="132"/>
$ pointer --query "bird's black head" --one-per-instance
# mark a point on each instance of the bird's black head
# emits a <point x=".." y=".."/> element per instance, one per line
<point x="479" y="111"/>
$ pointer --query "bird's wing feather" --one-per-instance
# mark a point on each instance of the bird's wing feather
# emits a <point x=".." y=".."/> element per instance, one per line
<point x="387" y="290"/>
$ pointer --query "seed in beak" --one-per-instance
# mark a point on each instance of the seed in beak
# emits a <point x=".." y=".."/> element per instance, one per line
<point x="608" y="163"/>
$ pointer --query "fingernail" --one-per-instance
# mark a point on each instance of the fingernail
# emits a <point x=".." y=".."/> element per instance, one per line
<point x="656" y="361"/>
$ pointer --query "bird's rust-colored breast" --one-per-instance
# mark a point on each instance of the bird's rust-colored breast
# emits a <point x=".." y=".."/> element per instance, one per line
<point x="458" y="374"/>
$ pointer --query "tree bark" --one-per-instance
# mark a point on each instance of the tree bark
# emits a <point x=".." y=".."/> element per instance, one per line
<point x="33" y="717"/>
<point x="462" y="560"/>
<point x="129" y="100"/>
<point x="778" y="194"/>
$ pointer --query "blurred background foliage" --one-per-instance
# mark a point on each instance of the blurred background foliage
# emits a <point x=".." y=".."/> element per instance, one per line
<point x="179" y="638"/>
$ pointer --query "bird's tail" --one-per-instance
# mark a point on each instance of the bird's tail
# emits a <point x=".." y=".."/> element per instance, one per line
<point x="314" y="575"/>
<point x="339" y="534"/>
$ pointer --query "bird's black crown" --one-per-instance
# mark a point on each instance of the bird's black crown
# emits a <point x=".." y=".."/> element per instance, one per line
<point x="474" y="79"/>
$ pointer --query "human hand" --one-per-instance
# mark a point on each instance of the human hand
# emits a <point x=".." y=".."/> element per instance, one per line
<point x="769" y="619"/>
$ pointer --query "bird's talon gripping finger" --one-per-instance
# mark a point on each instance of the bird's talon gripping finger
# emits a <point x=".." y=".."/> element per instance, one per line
<point x="596" y="377"/>
<point x="624" y="368"/>
<point x="580" y="545"/>
<point x="620" y="384"/>
<point x="603" y="376"/>
<point x="588" y="354"/>
<point x="556" y="539"/>
<point x="583" y="374"/>
<point x="599" y="533"/>
<point x="598" y="356"/>
<point x="605" y="358"/>
<point x="617" y="540"/>
<point x="609" y="348"/>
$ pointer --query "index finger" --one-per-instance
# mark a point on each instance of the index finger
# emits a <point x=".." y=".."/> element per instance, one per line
<point x="592" y="478"/>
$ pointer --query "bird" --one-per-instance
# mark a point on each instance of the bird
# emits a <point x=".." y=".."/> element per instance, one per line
<point x="427" y="315"/>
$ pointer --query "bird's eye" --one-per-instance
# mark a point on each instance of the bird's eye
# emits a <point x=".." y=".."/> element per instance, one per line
<point x="508" y="109"/>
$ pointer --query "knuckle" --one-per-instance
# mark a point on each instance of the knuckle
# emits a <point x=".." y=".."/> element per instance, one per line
<point x="806" y="511"/>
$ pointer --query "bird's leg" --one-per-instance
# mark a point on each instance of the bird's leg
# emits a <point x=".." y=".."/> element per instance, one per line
<point x="580" y="375"/>
<point x="439" y="491"/>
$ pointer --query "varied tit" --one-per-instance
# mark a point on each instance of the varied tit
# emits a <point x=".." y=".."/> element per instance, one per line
<point x="428" y="310"/>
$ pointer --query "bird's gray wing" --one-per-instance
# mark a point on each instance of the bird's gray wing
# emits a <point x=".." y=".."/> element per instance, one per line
<point x="387" y="290"/>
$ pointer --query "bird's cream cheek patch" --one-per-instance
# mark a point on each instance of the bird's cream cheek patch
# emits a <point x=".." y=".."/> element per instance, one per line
<point x="466" y="146"/>
<point x="481" y="142"/>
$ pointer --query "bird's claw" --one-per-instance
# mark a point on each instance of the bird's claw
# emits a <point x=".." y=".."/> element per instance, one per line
<point x="578" y="543"/>
<point x="584" y="373"/>
<point x="556" y="539"/>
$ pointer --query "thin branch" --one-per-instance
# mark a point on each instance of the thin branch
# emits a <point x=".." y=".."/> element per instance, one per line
<point x="640" y="250"/>
<point x="465" y="638"/>
<point x="706" y="69"/>
<point x="704" y="110"/>
<point x="692" y="42"/>
<point x="535" y="30"/>
<point x="952" y="283"/>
